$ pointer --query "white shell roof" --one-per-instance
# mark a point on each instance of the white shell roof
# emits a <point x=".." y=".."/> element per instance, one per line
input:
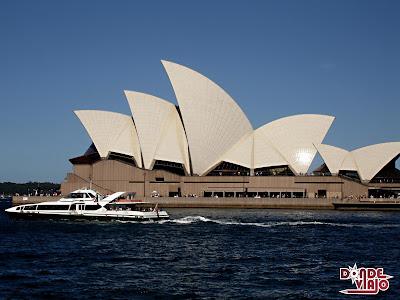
<point x="215" y="129"/>
<point x="254" y="151"/>
<point x="367" y="161"/>
<point x="371" y="159"/>
<point x="160" y="130"/>
<point x="265" y="154"/>
<point x="292" y="137"/>
<point x="111" y="132"/>
<point x="333" y="157"/>
<point x="295" y="138"/>
<point x="212" y="119"/>
<point x="349" y="163"/>
<point x="241" y="153"/>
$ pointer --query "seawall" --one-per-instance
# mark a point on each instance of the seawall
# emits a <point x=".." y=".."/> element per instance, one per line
<point x="277" y="203"/>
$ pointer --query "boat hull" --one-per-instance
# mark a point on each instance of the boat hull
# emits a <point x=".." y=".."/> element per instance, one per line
<point x="43" y="216"/>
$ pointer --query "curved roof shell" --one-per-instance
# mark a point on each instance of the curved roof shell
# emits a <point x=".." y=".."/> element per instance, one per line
<point x="349" y="163"/>
<point x="215" y="129"/>
<point x="241" y="153"/>
<point x="160" y="130"/>
<point x="213" y="121"/>
<point x="371" y="159"/>
<point x="111" y="132"/>
<point x="295" y="138"/>
<point x="287" y="141"/>
<point x="254" y="151"/>
<point x="367" y="161"/>
<point x="333" y="157"/>
<point x="265" y="154"/>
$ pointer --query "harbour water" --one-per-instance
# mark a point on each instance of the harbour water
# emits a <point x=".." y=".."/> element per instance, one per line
<point x="198" y="254"/>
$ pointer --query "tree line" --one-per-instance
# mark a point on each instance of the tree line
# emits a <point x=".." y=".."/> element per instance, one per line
<point x="32" y="188"/>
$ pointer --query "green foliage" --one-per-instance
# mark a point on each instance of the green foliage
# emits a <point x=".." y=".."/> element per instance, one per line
<point x="11" y="188"/>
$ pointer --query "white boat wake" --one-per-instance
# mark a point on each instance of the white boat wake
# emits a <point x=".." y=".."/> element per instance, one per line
<point x="198" y="219"/>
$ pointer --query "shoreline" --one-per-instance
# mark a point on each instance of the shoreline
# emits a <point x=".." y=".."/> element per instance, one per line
<point x="251" y="203"/>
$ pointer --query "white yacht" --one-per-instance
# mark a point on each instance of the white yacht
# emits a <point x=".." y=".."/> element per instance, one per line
<point x="88" y="204"/>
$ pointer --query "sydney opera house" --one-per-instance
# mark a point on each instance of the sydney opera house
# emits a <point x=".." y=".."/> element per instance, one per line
<point x="207" y="147"/>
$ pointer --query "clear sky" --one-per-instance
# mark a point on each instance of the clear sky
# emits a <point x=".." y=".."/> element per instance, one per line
<point x="275" y="58"/>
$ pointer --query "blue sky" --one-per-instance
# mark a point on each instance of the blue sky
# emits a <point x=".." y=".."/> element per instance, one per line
<point x="275" y="58"/>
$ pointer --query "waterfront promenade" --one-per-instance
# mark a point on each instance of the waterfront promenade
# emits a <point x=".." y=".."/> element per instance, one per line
<point x="250" y="203"/>
<point x="207" y="202"/>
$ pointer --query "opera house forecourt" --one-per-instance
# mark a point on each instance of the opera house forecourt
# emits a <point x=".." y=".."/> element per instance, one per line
<point x="206" y="147"/>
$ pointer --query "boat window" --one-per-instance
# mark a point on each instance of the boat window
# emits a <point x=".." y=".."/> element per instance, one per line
<point x="30" y="207"/>
<point x="114" y="206"/>
<point x="92" y="207"/>
<point x="88" y="196"/>
<point x="53" y="207"/>
<point x="19" y="208"/>
<point x="75" y="195"/>
<point x="73" y="207"/>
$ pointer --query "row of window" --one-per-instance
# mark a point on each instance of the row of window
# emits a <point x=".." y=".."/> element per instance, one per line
<point x="60" y="207"/>
<point x="265" y="194"/>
